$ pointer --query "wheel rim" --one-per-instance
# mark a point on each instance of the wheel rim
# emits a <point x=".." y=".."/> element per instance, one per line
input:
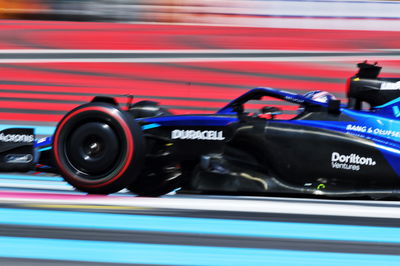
<point x="93" y="150"/>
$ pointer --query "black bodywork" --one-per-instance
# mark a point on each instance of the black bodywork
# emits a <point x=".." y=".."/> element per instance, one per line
<point x="301" y="155"/>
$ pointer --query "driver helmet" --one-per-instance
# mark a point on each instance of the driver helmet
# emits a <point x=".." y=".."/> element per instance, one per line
<point x="320" y="96"/>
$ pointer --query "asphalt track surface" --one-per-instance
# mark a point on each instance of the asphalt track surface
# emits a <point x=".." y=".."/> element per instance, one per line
<point x="49" y="68"/>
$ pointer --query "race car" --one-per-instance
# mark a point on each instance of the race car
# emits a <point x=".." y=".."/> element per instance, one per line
<point x="327" y="148"/>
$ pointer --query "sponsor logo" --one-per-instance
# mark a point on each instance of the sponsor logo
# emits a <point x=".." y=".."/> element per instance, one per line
<point x="16" y="138"/>
<point x="197" y="134"/>
<point x="357" y="128"/>
<point x="294" y="99"/>
<point x="350" y="162"/>
<point x="18" y="158"/>
<point x="390" y="86"/>
<point x="41" y="140"/>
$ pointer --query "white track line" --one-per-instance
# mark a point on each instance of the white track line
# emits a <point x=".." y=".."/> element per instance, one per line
<point x="36" y="185"/>
<point x="170" y="51"/>
<point x="253" y="55"/>
<point x="351" y="58"/>
<point x="239" y="205"/>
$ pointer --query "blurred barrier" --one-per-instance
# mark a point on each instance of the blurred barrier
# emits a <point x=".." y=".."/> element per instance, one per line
<point x="80" y="10"/>
<point x="330" y="14"/>
<point x="43" y="85"/>
<point x="15" y="8"/>
<point x="337" y="14"/>
<point x="49" y="68"/>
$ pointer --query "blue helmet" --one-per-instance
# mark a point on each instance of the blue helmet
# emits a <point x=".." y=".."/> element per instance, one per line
<point x="320" y="96"/>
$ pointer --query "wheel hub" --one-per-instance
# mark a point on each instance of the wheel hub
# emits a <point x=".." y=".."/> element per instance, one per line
<point x="93" y="148"/>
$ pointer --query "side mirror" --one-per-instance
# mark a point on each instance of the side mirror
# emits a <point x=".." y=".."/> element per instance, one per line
<point x="271" y="110"/>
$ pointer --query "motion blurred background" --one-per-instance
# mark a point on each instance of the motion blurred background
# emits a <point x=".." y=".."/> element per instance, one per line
<point x="350" y="14"/>
<point x="191" y="55"/>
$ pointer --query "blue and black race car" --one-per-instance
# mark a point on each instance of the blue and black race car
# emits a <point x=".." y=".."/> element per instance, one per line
<point x="327" y="148"/>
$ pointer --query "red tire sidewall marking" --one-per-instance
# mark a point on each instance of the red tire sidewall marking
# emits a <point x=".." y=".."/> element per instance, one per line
<point x="129" y="141"/>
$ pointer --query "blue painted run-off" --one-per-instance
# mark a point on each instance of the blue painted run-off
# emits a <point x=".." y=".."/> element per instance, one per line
<point x="243" y="228"/>
<point x="30" y="177"/>
<point x="117" y="252"/>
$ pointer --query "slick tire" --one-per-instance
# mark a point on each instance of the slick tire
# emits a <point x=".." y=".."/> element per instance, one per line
<point x="98" y="148"/>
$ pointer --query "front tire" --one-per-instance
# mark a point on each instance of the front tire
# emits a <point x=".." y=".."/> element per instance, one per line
<point x="98" y="148"/>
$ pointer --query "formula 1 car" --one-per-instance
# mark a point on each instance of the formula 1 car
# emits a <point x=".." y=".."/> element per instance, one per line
<point x="327" y="148"/>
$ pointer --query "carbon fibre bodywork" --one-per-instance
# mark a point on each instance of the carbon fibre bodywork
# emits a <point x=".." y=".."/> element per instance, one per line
<point x="329" y="149"/>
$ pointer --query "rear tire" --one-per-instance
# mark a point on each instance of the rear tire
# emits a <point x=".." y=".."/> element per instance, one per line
<point x="98" y="148"/>
<point x="155" y="183"/>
